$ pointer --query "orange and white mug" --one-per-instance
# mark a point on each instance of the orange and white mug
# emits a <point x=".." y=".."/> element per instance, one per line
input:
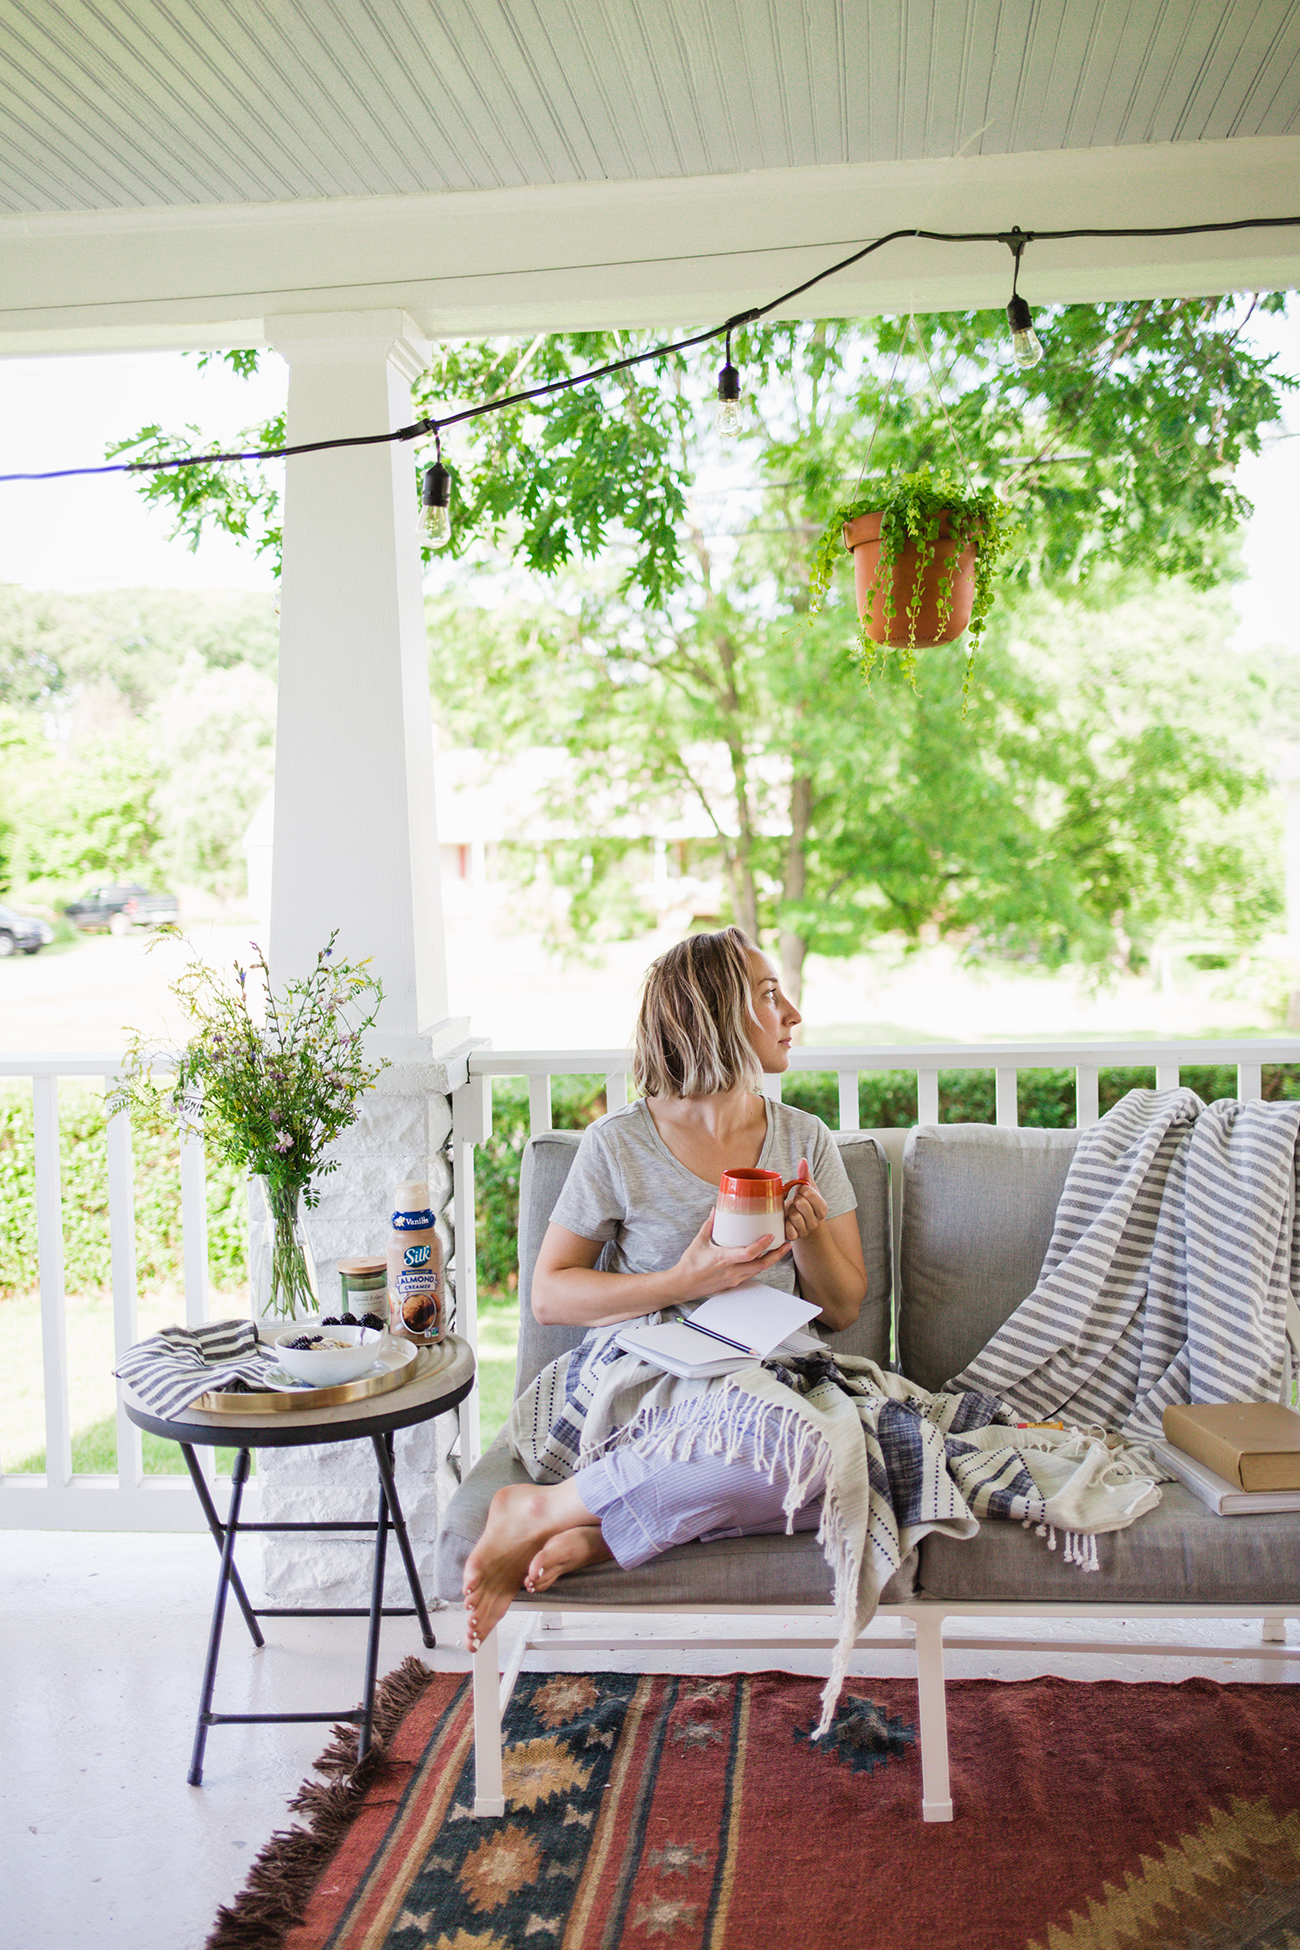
<point x="750" y="1204"/>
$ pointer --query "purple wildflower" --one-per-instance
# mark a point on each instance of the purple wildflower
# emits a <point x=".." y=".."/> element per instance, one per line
<point x="284" y="1142"/>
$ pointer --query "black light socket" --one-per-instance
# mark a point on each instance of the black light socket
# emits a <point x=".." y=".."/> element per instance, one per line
<point x="436" y="492"/>
<point x="1019" y="316"/>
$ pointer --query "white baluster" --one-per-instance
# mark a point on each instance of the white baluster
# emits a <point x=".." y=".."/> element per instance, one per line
<point x="49" y="1244"/>
<point x="121" y="1232"/>
<point x="615" y="1089"/>
<point x="194" y="1226"/>
<point x="1086" y="1102"/>
<point x="539" y="1106"/>
<point x="471" y="1124"/>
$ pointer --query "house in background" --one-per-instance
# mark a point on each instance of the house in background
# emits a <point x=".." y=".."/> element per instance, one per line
<point x="497" y="818"/>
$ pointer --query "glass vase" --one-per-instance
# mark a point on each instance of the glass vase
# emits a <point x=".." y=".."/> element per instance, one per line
<point x="283" y="1269"/>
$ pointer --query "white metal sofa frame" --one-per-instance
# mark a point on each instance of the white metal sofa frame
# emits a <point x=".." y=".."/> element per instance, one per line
<point x="872" y="1160"/>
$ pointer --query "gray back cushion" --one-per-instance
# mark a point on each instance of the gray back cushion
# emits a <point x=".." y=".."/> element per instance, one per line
<point x="547" y="1159"/>
<point x="979" y="1201"/>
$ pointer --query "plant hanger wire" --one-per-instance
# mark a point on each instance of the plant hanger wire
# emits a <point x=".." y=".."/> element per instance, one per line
<point x="914" y="329"/>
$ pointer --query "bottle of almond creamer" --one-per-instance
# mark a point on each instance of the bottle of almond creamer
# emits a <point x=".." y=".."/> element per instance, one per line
<point x="415" y="1266"/>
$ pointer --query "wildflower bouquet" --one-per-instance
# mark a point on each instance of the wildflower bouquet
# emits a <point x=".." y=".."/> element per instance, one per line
<point x="270" y="1096"/>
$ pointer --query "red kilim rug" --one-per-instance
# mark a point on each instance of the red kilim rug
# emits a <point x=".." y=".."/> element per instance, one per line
<point x="696" y="1814"/>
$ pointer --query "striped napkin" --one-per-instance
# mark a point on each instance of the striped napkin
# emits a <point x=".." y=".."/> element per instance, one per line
<point x="174" y="1367"/>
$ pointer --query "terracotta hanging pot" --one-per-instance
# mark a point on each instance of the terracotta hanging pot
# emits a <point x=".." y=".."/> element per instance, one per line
<point x="862" y="537"/>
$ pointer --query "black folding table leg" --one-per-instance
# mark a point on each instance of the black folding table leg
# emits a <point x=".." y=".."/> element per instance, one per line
<point x="384" y="1458"/>
<point x="376" y="1620"/>
<point x="214" y="1525"/>
<point x="238" y="1478"/>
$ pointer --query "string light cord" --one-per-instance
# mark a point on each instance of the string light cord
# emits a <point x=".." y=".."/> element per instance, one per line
<point x="1016" y="238"/>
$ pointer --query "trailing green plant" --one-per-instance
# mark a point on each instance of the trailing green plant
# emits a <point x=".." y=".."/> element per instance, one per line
<point x="911" y="511"/>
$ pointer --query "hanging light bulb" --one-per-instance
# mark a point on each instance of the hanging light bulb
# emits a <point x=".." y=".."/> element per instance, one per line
<point x="1025" y="342"/>
<point x="435" y="503"/>
<point x="1026" y="345"/>
<point x="727" y="421"/>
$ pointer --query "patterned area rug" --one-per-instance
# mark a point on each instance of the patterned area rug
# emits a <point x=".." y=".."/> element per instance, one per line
<point x="697" y="1814"/>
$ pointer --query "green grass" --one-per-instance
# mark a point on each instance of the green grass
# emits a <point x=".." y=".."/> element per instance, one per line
<point x="498" y="1334"/>
<point x="94" y="1453"/>
<point x="92" y="1392"/>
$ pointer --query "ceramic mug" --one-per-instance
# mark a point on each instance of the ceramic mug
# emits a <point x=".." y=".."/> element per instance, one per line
<point x="751" y="1203"/>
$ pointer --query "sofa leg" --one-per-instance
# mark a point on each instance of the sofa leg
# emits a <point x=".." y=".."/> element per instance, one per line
<point x="489" y="1798"/>
<point x="936" y="1793"/>
<point x="1272" y="1631"/>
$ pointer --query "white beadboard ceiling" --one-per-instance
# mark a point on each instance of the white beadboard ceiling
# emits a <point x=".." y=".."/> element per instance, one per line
<point x="195" y="172"/>
<point x="129" y="104"/>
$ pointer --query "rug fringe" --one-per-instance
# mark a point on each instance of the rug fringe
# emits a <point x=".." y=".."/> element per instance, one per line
<point x="281" y="1879"/>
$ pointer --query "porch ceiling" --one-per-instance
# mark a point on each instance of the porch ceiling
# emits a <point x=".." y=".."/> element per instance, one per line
<point x="175" y="174"/>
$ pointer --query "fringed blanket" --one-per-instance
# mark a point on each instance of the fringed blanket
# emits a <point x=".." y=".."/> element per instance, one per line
<point x="900" y="1462"/>
<point x="1173" y="1256"/>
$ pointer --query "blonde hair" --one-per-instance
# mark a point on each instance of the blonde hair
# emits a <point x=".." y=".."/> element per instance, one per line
<point x="692" y="1029"/>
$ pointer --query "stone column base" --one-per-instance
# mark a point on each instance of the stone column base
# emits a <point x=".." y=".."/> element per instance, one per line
<point x="401" y="1133"/>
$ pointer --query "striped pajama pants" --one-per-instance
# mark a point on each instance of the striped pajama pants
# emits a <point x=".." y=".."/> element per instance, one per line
<point x="648" y="1503"/>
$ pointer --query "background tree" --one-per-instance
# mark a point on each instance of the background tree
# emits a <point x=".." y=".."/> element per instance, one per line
<point x="136" y="732"/>
<point x="1078" y="812"/>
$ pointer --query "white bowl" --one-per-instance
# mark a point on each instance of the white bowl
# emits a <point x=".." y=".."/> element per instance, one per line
<point x="326" y="1367"/>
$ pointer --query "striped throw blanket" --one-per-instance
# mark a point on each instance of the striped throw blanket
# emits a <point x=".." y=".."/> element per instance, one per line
<point x="1175" y="1250"/>
<point x="175" y="1366"/>
<point x="899" y="1462"/>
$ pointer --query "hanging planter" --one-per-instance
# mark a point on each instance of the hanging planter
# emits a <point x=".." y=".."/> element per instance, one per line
<point x="919" y="595"/>
<point x="924" y="554"/>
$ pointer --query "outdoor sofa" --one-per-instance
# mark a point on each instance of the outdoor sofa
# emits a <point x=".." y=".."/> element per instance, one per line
<point x="967" y="1228"/>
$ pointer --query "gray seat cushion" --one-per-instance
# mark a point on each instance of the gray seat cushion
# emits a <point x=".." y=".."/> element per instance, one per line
<point x="979" y="1201"/>
<point x="732" y="1571"/>
<point x="1178" y="1553"/>
<point x="546" y="1163"/>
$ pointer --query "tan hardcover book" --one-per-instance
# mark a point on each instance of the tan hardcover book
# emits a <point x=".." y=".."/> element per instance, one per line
<point x="1253" y="1444"/>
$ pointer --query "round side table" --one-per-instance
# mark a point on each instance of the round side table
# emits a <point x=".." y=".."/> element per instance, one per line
<point x="442" y="1383"/>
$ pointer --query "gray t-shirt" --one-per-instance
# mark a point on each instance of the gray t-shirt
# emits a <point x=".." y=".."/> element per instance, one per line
<point x="625" y="1187"/>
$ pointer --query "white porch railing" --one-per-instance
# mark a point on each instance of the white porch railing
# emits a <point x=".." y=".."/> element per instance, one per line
<point x="472" y="1106"/>
<point x="131" y="1500"/>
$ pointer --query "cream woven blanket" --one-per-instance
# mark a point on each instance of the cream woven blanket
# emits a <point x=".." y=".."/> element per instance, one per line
<point x="899" y="1462"/>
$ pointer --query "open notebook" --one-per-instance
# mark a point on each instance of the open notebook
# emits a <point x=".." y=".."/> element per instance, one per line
<point x="758" y="1319"/>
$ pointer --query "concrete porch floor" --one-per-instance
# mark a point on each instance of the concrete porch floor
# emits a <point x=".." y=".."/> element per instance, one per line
<point x="101" y="1646"/>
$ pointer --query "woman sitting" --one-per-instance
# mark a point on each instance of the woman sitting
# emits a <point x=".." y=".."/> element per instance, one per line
<point x="629" y="1236"/>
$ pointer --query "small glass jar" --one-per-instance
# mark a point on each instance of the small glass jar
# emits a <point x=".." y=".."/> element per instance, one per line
<point x="364" y="1280"/>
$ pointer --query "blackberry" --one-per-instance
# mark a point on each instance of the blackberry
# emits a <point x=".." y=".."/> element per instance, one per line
<point x="332" y="1320"/>
<point x="375" y="1321"/>
<point x="304" y="1343"/>
<point x="346" y="1320"/>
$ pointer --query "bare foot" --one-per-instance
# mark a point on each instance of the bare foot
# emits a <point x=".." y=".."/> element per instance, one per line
<point x="521" y="1519"/>
<point x="569" y="1550"/>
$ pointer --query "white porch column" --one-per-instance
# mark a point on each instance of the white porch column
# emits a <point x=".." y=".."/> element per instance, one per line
<point x="356" y="848"/>
<point x="356" y="836"/>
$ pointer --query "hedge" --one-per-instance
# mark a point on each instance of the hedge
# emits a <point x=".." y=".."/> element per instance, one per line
<point x="886" y="1098"/>
<point x="83" y="1160"/>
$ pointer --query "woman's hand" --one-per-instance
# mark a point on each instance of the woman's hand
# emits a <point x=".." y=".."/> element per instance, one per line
<point x="806" y="1209"/>
<point x="705" y="1269"/>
